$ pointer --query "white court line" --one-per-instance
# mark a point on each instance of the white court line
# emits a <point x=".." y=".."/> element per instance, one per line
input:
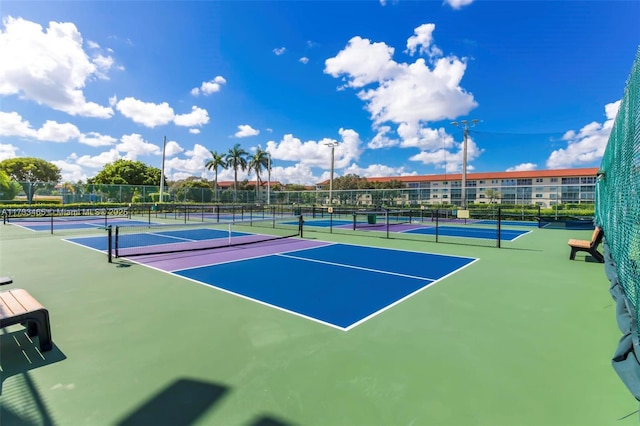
<point x="397" y="274"/>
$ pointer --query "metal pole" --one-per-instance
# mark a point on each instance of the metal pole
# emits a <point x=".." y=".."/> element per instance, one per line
<point x="269" y="179"/>
<point x="464" y="166"/>
<point x="333" y="148"/>
<point x="164" y="146"/>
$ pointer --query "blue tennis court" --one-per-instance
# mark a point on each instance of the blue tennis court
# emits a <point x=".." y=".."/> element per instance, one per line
<point x="339" y="285"/>
<point x="69" y="224"/>
<point x="468" y="232"/>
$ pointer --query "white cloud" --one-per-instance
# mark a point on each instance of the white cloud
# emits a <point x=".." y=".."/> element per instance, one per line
<point x="381" y="140"/>
<point x="96" y="139"/>
<point x="192" y="165"/>
<point x="12" y="124"/>
<point x="209" y="87"/>
<point x="304" y="60"/>
<point x="197" y="117"/>
<point x="145" y="113"/>
<point x="424" y="138"/>
<point x="245" y="130"/>
<point x="299" y="174"/>
<point x="318" y="153"/>
<point x="172" y="148"/>
<point x="451" y="161"/>
<point x="49" y="67"/>
<point x="152" y="115"/>
<point x="524" y="167"/>
<point x="586" y="146"/>
<point x="279" y="50"/>
<point x="8" y="151"/>
<point x="71" y="172"/>
<point x="376" y="170"/>
<point x="97" y="161"/>
<point x="401" y="92"/>
<point x="363" y="62"/>
<point x="457" y="4"/>
<point x="92" y="45"/>
<point x="194" y="131"/>
<point x="404" y="97"/>
<point x="56" y="132"/>
<point x="134" y="145"/>
<point x="422" y="41"/>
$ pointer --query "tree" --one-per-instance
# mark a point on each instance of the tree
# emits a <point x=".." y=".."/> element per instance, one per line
<point x="350" y="181"/>
<point x="125" y="172"/>
<point x="31" y="173"/>
<point x="257" y="162"/>
<point x="236" y="158"/>
<point x="492" y="194"/>
<point x="217" y="160"/>
<point x="191" y="189"/>
<point x="8" y="188"/>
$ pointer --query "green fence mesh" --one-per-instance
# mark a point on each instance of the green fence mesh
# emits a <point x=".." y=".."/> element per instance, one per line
<point x="618" y="189"/>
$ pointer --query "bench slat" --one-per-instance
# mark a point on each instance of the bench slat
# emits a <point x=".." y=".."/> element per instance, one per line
<point x="10" y="305"/>
<point x="26" y="300"/>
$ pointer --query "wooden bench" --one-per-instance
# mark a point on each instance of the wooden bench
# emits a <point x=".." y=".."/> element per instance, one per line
<point x="19" y="307"/>
<point x="589" y="246"/>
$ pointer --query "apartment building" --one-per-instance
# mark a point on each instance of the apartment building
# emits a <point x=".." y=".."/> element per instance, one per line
<point x="545" y="188"/>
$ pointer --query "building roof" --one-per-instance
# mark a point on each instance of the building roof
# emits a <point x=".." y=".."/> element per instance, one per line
<point x="528" y="174"/>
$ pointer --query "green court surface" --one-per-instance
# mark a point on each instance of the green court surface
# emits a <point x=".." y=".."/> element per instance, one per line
<point x="523" y="336"/>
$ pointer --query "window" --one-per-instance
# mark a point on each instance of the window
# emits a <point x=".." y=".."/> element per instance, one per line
<point x="494" y="181"/>
<point x="481" y="182"/>
<point x="554" y="180"/>
<point x="445" y="196"/>
<point x="538" y="195"/>
<point x="539" y="180"/>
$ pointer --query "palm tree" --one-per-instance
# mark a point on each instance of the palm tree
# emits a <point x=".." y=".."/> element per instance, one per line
<point x="257" y="162"/>
<point x="236" y="158"/>
<point x="217" y="160"/>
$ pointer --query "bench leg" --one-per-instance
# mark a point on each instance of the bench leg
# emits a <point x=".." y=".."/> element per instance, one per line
<point x="39" y="326"/>
<point x="572" y="256"/>
<point x="597" y="256"/>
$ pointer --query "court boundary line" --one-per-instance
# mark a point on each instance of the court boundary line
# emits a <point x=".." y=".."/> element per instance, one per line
<point x="344" y="265"/>
<point x="397" y="302"/>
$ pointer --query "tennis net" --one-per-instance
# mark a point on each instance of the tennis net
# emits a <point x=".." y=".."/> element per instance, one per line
<point x="139" y="240"/>
<point x="381" y="219"/>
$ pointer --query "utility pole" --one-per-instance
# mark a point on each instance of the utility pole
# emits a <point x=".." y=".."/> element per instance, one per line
<point x="333" y="147"/>
<point x="164" y="146"/>
<point x="268" y="178"/>
<point x="465" y="130"/>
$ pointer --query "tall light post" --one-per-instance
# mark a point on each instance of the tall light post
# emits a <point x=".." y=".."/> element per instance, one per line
<point x="333" y="148"/>
<point x="465" y="130"/>
<point x="164" y="148"/>
<point x="268" y="178"/>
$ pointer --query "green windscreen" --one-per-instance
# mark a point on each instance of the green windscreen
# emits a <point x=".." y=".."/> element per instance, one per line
<point x="618" y="189"/>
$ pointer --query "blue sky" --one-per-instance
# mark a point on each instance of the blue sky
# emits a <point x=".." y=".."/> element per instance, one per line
<point x="85" y="83"/>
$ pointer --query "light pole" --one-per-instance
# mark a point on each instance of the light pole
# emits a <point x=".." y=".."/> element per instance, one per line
<point x="164" y="148"/>
<point x="333" y="148"/>
<point x="268" y="178"/>
<point x="465" y="127"/>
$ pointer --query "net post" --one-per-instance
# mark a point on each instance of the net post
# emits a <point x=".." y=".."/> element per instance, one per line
<point x="106" y="216"/>
<point x="109" y="242"/>
<point x="437" y="213"/>
<point x="300" y="225"/>
<point x="499" y="225"/>
<point x="116" y="242"/>
<point x="386" y="213"/>
<point x="354" y="219"/>
<point x="149" y="213"/>
<point x="51" y="213"/>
